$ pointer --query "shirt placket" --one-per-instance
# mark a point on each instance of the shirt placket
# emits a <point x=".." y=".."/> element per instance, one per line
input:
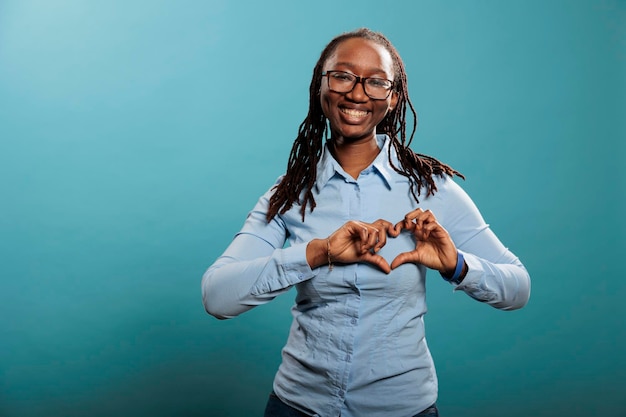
<point x="352" y="303"/>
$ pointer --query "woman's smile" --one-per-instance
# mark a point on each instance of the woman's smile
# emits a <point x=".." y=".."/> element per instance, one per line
<point x="355" y="114"/>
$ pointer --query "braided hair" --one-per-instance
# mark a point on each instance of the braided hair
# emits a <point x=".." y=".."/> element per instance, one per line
<point x="307" y="148"/>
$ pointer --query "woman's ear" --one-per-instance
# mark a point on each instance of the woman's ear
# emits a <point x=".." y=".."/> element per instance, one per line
<point x="394" y="100"/>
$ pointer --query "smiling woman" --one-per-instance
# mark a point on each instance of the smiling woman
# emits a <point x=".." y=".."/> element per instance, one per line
<point x="352" y="112"/>
<point x="364" y="218"/>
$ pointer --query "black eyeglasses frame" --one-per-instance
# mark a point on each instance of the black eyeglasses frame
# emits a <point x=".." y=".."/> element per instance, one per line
<point x="358" y="80"/>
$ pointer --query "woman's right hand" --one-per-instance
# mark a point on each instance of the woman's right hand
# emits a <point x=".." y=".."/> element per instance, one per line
<point x="355" y="241"/>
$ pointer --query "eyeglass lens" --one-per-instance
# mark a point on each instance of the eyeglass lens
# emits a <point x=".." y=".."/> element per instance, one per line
<point x="344" y="82"/>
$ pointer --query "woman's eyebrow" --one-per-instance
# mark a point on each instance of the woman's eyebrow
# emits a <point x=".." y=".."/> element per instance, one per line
<point x="351" y="65"/>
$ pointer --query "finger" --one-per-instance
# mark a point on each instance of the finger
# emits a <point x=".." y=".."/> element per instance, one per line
<point x="362" y="234"/>
<point x="417" y="217"/>
<point x="398" y="227"/>
<point x="391" y="229"/>
<point x="372" y="239"/>
<point x="403" y="258"/>
<point x="383" y="223"/>
<point x="395" y="229"/>
<point x="424" y="229"/>
<point x="382" y="238"/>
<point x="410" y="217"/>
<point x="431" y="230"/>
<point x="377" y="260"/>
<point x="424" y="217"/>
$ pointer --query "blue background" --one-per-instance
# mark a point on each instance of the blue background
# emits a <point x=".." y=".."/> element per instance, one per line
<point x="136" y="135"/>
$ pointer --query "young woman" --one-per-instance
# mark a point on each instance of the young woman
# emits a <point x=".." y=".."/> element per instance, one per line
<point x="364" y="218"/>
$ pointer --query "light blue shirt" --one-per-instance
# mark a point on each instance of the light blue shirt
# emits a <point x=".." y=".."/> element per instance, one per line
<point x="356" y="345"/>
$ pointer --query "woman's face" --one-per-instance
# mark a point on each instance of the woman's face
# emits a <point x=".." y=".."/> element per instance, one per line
<point x="353" y="115"/>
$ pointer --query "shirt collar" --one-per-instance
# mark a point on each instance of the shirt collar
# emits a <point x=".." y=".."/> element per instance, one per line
<point x="328" y="166"/>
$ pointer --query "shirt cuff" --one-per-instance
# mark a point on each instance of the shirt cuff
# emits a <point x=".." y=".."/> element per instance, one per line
<point x="474" y="272"/>
<point x="286" y="268"/>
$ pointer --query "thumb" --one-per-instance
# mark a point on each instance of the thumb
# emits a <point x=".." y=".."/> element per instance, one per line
<point x="403" y="258"/>
<point x="378" y="261"/>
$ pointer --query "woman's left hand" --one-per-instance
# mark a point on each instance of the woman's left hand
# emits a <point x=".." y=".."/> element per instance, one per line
<point x="433" y="247"/>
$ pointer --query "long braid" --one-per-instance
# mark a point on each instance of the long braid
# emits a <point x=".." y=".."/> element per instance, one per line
<point x="306" y="151"/>
<point x="419" y="168"/>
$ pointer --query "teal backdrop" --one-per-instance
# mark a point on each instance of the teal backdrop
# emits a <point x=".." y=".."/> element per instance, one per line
<point x="136" y="135"/>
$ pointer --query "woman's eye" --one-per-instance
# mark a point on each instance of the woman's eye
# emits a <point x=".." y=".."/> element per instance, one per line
<point x="342" y="77"/>
<point x="378" y="83"/>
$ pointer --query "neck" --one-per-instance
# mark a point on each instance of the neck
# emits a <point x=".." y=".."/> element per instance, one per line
<point x="355" y="156"/>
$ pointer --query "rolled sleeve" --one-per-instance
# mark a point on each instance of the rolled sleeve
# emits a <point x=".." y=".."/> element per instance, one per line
<point x="503" y="286"/>
<point x="286" y="268"/>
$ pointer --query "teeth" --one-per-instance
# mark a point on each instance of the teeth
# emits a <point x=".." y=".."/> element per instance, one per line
<point x="355" y="113"/>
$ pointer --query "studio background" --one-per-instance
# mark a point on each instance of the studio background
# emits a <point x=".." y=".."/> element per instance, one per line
<point x="136" y="135"/>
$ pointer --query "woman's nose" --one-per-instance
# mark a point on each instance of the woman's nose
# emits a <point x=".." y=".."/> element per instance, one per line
<point x="358" y="92"/>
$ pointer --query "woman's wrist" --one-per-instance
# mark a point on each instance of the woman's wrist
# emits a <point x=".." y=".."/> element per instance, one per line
<point x="317" y="253"/>
<point x="457" y="274"/>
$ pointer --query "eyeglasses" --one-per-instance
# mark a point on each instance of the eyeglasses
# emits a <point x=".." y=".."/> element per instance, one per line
<point x="344" y="82"/>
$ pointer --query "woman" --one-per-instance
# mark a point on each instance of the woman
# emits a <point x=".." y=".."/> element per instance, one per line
<point x="364" y="217"/>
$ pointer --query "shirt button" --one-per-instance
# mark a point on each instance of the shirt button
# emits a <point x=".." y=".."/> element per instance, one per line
<point x="353" y="321"/>
<point x="348" y="358"/>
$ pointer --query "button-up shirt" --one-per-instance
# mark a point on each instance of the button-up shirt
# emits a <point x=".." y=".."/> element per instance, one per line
<point x="357" y="345"/>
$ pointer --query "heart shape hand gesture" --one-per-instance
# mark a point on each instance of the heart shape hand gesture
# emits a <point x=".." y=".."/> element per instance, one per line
<point x="358" y="241"/>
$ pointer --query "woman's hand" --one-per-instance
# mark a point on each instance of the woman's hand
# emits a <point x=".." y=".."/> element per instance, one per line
<point x="433" y="248"/>
<point x="355" y="241"/>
